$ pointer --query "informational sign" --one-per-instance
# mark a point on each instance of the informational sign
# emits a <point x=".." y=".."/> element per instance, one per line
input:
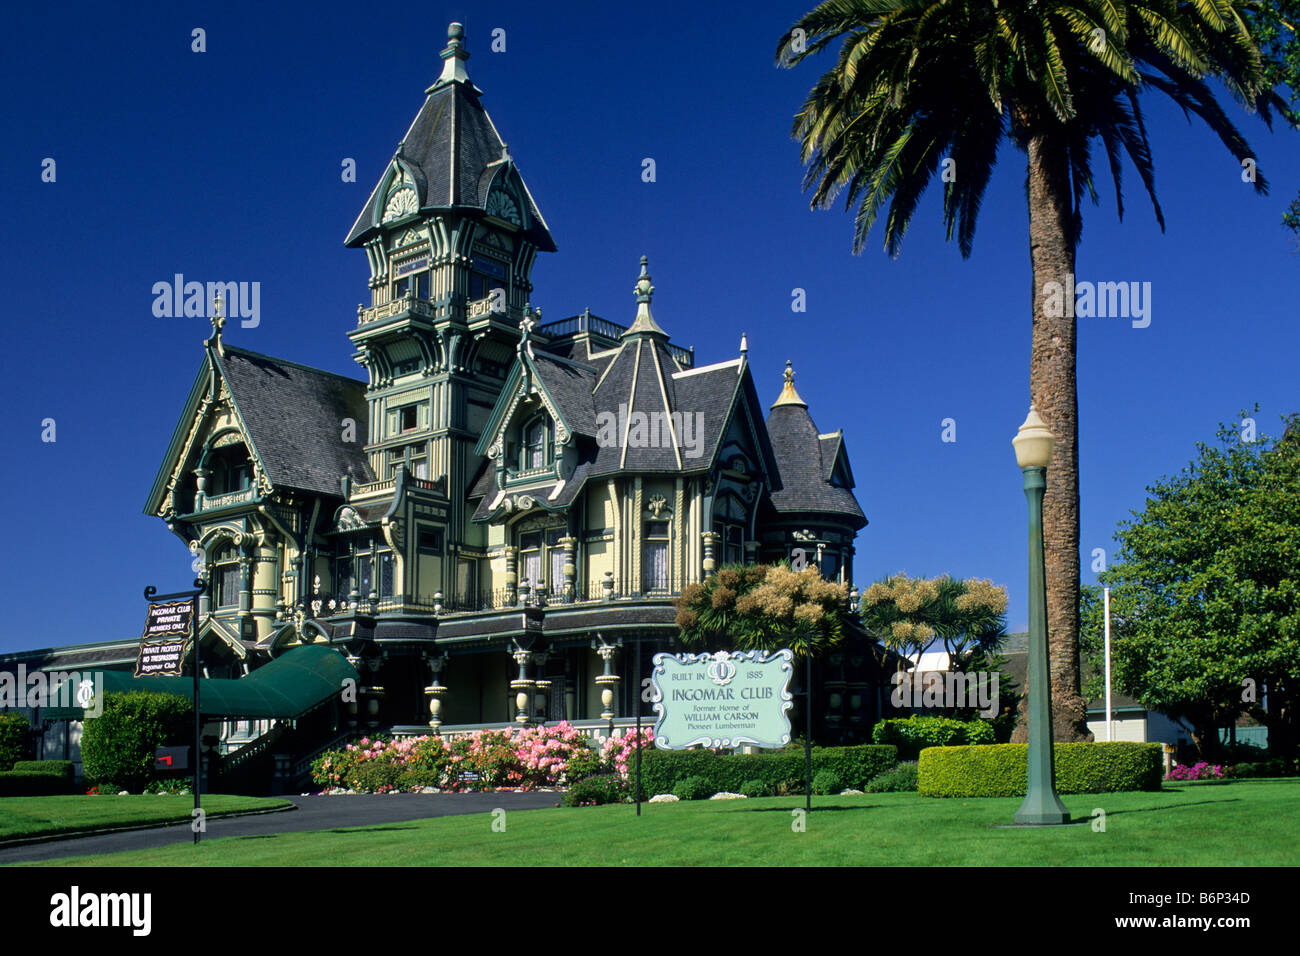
<point x="162" y="658"/>
<point x="172" y="758"/>
<point x="164" y="643"/>
<point x="722" y="700"/>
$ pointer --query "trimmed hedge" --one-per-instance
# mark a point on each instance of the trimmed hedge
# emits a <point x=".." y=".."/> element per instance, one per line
<point x="999" y="770"/>
<point x="913" y="734"/>
<point x="15" y="740"/>
<point x="662" y="770"/>
<point x="32" y="783"/>
<point x="59" y="768"/>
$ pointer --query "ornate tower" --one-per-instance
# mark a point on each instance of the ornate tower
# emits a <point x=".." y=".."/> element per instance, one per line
<point x="450" y="232"/>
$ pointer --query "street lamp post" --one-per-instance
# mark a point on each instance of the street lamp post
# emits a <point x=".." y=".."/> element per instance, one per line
<point x="1033" y="445"/>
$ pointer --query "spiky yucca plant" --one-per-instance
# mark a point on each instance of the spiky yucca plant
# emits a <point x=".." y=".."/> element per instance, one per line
<point x="762" y="607"/>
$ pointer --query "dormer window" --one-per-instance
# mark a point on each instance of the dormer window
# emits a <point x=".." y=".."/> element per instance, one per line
<point x="534" y="444"/>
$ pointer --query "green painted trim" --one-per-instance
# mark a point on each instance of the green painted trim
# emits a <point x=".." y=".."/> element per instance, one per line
<point x="197" y="390"/>
<point x="506" y="399"/>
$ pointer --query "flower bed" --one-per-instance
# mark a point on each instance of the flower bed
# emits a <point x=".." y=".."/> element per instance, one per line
<point x="519" y="758"/>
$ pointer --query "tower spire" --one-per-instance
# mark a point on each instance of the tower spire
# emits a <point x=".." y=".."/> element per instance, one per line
<point x="788" y="395"/>
<point x="645" y="322"/>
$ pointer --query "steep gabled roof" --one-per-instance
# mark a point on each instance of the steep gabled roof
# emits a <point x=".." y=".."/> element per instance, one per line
<point x="452" y="153"/>
<point x="294" y="415"/>
<point x="294" y="418"/>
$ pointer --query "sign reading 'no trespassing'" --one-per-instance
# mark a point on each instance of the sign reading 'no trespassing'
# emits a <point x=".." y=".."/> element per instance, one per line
<point x="722" y="700"/>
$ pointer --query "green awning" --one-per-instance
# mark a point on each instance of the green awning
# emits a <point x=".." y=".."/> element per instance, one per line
<point x="287" y="687"/>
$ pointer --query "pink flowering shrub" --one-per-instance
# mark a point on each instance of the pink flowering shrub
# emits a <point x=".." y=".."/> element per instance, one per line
<point x="1199" y="771"/>
<point x="619" y="752"/>
<point x="523" y="758"/>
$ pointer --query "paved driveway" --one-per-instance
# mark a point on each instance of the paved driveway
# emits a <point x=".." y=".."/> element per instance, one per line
<point x="313" y="813"/>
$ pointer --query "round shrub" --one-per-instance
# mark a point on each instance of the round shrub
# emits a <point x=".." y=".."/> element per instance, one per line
<point x="119" y="744"/>
<point x="693" y="788"/>
<point x="15" y="740"/>
<point x="595" y="790"/>
<point x="826" y="783"/>
<point x="902" y="779"/>
<point x="755" y="788"/>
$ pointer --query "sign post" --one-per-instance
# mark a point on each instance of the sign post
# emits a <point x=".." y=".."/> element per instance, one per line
<point x="637" y="705"/>
<point x="163" y="657"/>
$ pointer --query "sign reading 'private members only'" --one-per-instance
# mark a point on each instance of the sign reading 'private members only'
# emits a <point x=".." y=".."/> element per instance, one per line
<point x="722" y="700"/>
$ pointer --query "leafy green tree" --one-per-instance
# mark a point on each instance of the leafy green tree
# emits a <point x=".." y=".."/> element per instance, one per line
<point x="118" y="746"/>
<point x="930" y="88"/>
<point x="1205" y="592"/>
<point x="763" y="607"/>
<point x="1275" y="25"/>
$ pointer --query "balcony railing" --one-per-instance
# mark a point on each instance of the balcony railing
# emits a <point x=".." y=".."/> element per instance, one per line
<point x="586" y="322"/>
<point x="212" y="502"/>
<point x="402" y="304"/>
<point x="593" y="592"/>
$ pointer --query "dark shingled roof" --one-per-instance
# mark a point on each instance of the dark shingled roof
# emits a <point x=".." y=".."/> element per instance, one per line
<point x="453" y="153"/>
<point x="802" y="457"/>
<point x="570" y="384"/>
<point x="294" y="417"/>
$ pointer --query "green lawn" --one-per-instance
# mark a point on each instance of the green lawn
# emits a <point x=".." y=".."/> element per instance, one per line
<point x="22" y="817"/>
<point x="1242" y="823"/>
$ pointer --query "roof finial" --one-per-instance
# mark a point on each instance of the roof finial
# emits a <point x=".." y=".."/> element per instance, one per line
<point x="454" y="56"/>
<point x="643" y="290"/>
<point x="526" y="333"/>
<point x="744" y="344"/>
<point x="218" y="320"/>
<point x="788" y="395"/>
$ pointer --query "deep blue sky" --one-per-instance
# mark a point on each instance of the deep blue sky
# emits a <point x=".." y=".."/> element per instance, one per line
<point x="225" y="165"/>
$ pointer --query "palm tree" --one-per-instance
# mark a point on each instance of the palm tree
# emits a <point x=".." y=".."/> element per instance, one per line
<point x="922" y="81"/>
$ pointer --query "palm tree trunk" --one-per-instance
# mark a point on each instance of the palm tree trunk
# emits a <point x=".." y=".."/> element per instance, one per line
<point x="1052" y="239"/>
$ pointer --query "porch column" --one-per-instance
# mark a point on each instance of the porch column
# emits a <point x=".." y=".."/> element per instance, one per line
<point x="607" y="682"/>
<point x="435" y="690"/>
<point x="352" y="705"/>
<point x="751" y="552"/>
<point x="570" y="568"/>
<point x="512" y="575"/>
<point x="710" y="543"/>
<point x="374" y="692"/>
<point x="543" y="686"/>
<point x="521" y="685"/>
